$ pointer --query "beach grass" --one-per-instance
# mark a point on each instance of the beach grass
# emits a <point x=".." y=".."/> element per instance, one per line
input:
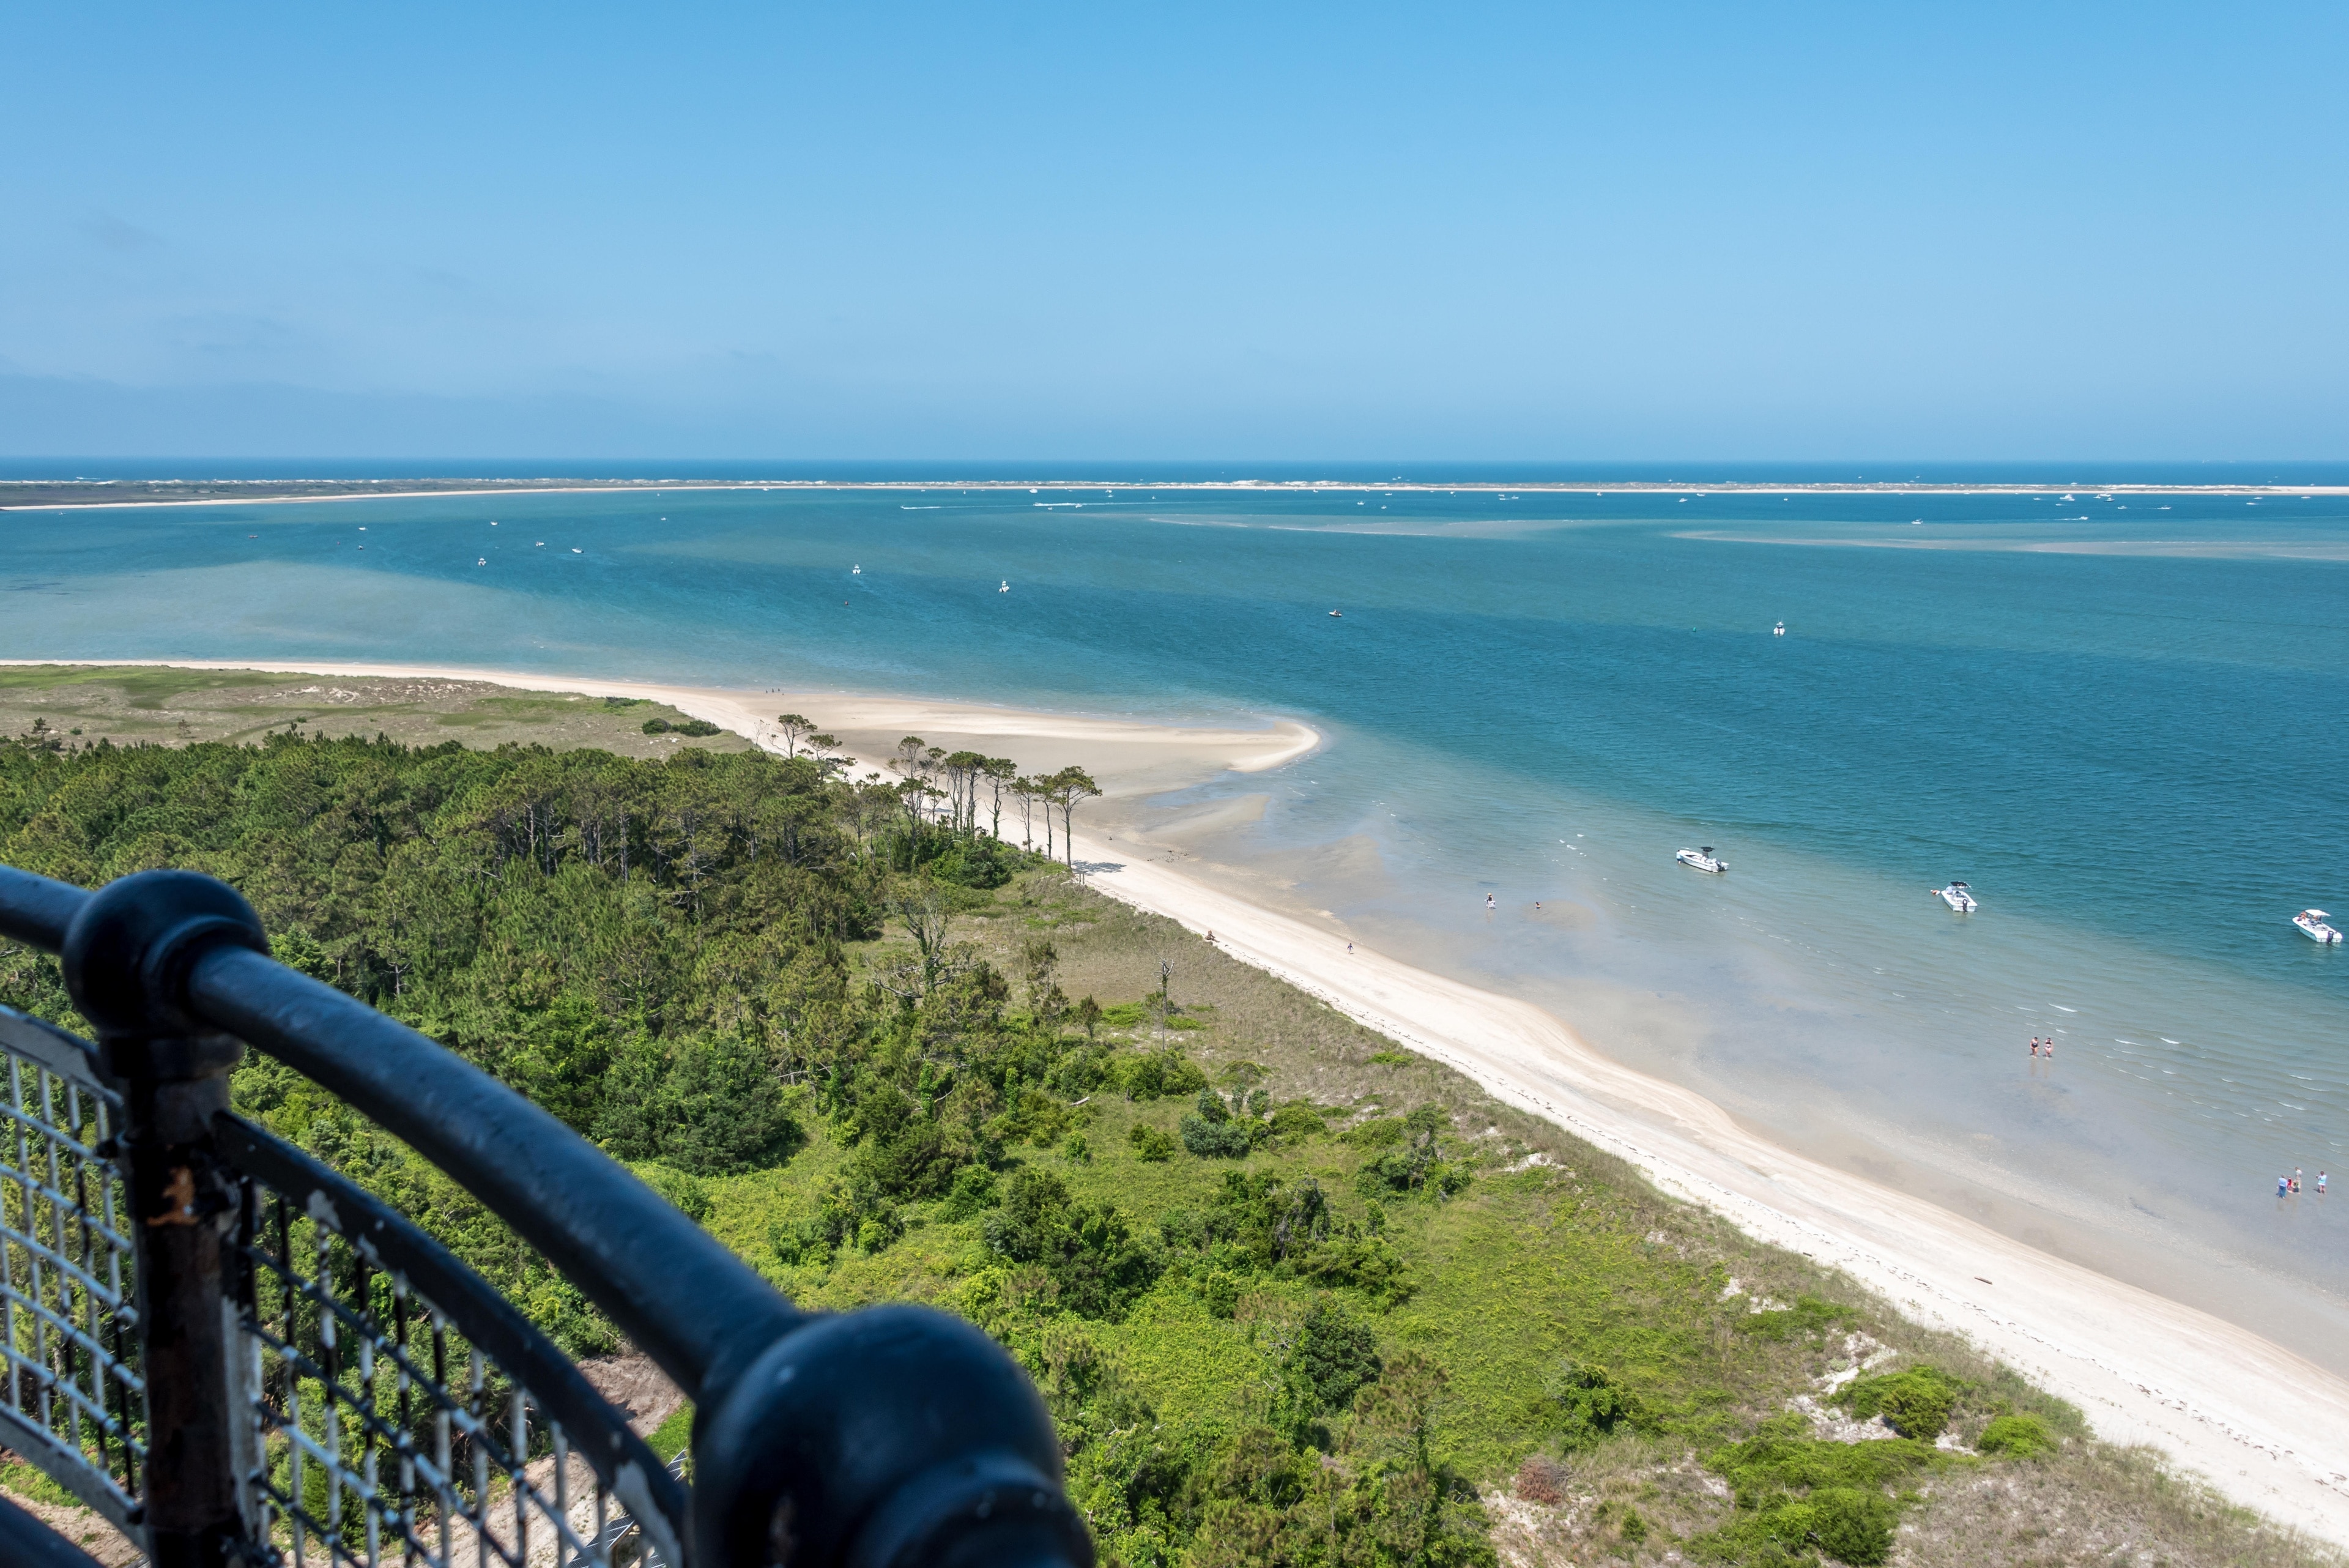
<point x="170" y="705"/>
<point x="1555" y="1261"/>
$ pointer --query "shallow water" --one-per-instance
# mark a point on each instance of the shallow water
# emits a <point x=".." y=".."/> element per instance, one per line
<point x="2119" y="722"/>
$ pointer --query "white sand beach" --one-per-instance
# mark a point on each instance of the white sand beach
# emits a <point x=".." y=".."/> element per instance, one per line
<point x="1129" y="756"/>
<point x="2267" y="1428"/>
<point x="2264" y="1426"/>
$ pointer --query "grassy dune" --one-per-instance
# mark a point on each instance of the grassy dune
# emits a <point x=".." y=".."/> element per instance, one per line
<point x="1554" y="1256"/>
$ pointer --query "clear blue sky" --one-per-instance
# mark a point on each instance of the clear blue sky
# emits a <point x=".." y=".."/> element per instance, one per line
<point x="1357" y="231"/>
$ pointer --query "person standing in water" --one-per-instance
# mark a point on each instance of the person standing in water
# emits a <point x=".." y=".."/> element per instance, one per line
<point x="1488" y="903"/>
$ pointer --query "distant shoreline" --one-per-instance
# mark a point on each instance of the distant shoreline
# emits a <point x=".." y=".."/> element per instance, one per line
<point x="44" y="495"/>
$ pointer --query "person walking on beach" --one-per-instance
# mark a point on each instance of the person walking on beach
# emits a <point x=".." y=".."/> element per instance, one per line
<point x="2034" y="1047"/>
<point x="2319" y="1184"/>
<point x="2283" y="1187"/>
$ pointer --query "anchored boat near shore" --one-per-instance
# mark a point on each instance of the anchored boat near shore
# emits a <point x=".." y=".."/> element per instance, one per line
<point x="1701" y="859"/>
<point x="2311" y="926"/>
<point x="1958" y="896"/>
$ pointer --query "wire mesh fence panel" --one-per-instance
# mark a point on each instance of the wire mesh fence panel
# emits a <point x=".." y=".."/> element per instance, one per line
<point x="385" y="1432"/>
<point x="71" y="1400"/>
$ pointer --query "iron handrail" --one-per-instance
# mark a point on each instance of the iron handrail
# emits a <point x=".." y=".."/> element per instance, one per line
<point x="882" y="1438"/>
<point x="670" y="1286"/>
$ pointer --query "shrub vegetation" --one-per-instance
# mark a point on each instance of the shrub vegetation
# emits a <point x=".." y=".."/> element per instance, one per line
<point x="1293" y="1296"/>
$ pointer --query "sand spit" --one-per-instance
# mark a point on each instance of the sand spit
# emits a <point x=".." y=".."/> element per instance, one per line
<point x="1127" y="754"/>
<point x="60" y="495"/>
<point x="2267" y="1428"/>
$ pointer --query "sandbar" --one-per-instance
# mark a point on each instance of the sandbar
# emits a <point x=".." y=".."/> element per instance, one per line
<point x="54" y="495"/>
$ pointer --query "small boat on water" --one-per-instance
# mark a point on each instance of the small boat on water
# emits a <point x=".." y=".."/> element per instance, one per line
<point x="1958" y="896"/>
<point x="1778" y="630"/>
<point x="2311" y="926"/>
<point x="1701" y="858"/>
<point x="1006" y="587"/>
<point x="1336" y="615"/>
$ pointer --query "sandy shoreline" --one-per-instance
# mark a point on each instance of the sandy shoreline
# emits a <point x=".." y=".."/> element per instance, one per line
<point x="1128" y="754"/>
<point x="2266" y="1427"/>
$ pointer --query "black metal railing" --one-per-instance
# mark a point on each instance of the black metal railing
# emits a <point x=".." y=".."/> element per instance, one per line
<point x="237" y="1355"/>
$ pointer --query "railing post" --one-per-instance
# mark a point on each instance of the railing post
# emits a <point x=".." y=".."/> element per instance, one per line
<point x="126" y="957"/>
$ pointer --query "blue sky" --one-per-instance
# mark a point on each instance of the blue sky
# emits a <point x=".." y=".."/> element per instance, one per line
<point x="1546" y="231"/>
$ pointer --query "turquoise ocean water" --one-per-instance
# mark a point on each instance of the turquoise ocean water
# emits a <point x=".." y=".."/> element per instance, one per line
<point x="2120" y="720"/>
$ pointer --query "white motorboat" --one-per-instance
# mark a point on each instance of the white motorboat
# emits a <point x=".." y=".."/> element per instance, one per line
<point x="1701" y="859"/>
<point x="1957" y="896"/>
<point x="2311" y="926"/>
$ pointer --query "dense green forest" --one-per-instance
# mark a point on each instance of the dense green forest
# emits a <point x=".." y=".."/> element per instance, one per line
<point x="1293" y="1296"/>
